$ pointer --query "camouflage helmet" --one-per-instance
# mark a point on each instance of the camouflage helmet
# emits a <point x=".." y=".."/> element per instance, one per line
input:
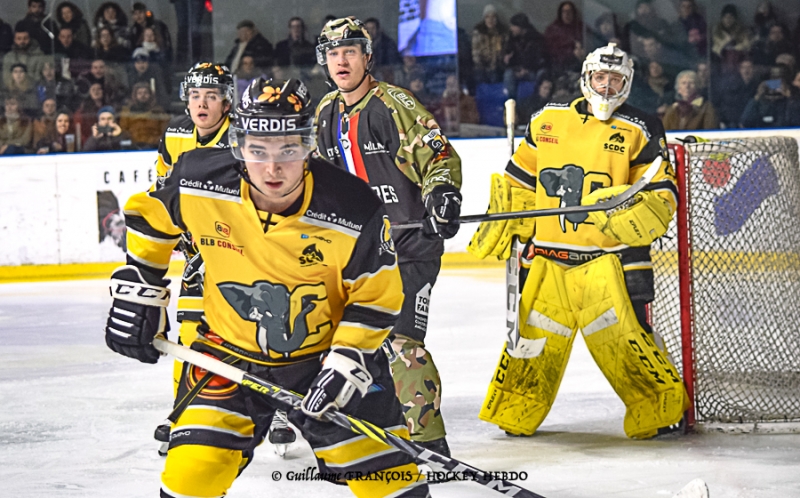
<point x="344" y="31"/>
<point x="208" y="75"/>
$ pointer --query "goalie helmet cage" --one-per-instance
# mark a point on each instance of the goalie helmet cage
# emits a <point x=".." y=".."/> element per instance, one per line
<point x="727" y="281"/>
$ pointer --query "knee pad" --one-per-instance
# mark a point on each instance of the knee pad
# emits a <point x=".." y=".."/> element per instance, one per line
<point x="419" y="389"/>
<point x="199" y="471"/>
<point x="639" y="371"/>
<point x="527" y="378"/>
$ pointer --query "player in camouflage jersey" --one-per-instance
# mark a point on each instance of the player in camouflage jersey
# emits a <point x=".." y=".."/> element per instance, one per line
<point x="382" y="134"/>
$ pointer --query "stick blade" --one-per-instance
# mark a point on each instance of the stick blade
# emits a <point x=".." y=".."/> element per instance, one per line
<point x="695" y="489"/>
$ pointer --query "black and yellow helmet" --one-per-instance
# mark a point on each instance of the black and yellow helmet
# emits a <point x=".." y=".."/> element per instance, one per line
<point x="208" y="75"/>
<point x="340" y="32"/>
<point x="270" y="108"/>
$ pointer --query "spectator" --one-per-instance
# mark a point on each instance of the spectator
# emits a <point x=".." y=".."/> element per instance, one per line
<point x="653" y="50"/>
<point x="144" y="119"/>
<point x="68" y="15"/>
<point x="110" y="15"/>
<point x="15" y="130"/>
<point x="295" y="50"/>
<point x="71" y="53"/>
<point x="45" y="124"/>
<point x="690" y="111"/>
<point x="22" y="88"/>
<point x="22" y="52"/>
<point x="385" y="56"/>
<point x="86" y="114"/>
<point x="417" y="87"/>
<point x="158" y="43"/>
<point x="774" y="105"/>
<point x="703" y="70"/>
<point x="98" y="73"/>
<point x="606" y="30"/>
<point x="523" y="54"/>
<point x="787" y="60"/>
<point x="144" y="71"/>
<point x="730" y="40"/>
<point x="560" y="37"/>
<point x="61" y="137"/>
<point x="654" y="93"/>
<point x="32" y="24"/>
<point x="763" y="20"/>
<point x="106" y="133"/>
<point x="645" y="24"/>
<point x="488" y="39"/>
<point x="249" y="42"/>
<point x="409" y="71"/>
<point x="533" y="103"/>
<point x="108" y="49"/>
<point x="767" y="49"/>
<point x="6" y="37"/>
<point x="736" y="90"/>
<point x="691" y="28"/>
<point x="456" y="107"/>
<point x="53" y="85"/>
<point x="466" y="64"/>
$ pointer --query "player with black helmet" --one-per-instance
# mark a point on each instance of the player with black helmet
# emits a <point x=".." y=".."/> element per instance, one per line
<point x="299" y="266"/>
<point x="207" y="90"/>
<point x="384" y="135"/>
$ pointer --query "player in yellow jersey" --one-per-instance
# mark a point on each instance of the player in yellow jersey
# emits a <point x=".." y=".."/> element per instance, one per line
<point x="300" y="266"/>
<point x="589" y="272"/>
<point x="207" y="89"/>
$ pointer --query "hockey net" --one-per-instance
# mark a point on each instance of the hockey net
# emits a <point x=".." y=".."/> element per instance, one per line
<point x="728" y="280"/>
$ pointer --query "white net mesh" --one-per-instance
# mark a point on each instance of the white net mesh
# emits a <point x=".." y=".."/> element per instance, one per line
<point x="744" y="217"/>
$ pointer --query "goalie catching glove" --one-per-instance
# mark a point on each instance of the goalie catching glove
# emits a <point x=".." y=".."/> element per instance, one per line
<point x="137" y="315"/>
<point x="638" y="224"/>
<point x="342" y="382"/>
<point x="443" y="203"/>
<point x="493" y="238"/>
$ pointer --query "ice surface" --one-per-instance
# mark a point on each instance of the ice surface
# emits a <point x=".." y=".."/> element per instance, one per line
<point x="77" y="420"/>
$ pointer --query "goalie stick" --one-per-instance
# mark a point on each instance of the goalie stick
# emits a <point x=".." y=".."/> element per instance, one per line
<point x="291" y="401"/>
<point x="607" y="205"/>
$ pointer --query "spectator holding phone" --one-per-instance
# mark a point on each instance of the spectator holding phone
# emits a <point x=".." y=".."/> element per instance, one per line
<point x="106" y="133"/>
<point x="774" y="105"/>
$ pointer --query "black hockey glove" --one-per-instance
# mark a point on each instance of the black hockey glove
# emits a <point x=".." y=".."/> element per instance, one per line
<point x="342" y="382"/>
<point x="443" y="204"/>
<point x="138" y="313"/>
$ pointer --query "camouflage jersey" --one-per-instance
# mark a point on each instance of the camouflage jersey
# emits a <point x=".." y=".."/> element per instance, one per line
<point x="280" y="288"/>
<point x="393" y="143"/>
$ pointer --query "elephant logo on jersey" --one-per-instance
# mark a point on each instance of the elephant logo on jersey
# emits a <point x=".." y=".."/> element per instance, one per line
<point x="273" y="308"/>
<point x="567" y="184"/>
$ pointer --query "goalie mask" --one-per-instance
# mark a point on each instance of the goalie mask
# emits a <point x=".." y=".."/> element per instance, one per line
<point x="276" y="112"/>
<point x="606" y="100"/>
<point x="208" y="75"/>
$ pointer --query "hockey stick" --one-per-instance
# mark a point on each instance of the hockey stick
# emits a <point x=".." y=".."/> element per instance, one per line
<point x="607" y="205"/>
<point x="291" y="401"/>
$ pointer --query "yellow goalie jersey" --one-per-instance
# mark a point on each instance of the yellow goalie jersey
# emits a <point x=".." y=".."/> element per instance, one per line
<point x="567" y="153"/>
<point x="278" y="288"/>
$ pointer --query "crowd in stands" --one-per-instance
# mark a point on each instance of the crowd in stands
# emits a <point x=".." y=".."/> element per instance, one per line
<point x="103" y="80"/>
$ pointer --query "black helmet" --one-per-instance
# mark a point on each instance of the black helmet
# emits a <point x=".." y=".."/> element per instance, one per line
<point x="344" y="31"/>
<point x="208" y="75"/>
<point x="274" y="109"/>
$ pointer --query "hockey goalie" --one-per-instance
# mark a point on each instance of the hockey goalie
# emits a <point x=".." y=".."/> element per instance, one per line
<point x="589" y="272"/>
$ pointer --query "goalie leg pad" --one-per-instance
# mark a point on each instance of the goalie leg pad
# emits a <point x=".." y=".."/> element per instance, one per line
<point x="419" y="388"/>
<point x="526" y="381"/>
<point x="639" y="371"/>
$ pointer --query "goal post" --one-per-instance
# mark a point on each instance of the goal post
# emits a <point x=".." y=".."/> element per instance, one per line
<point x="727" y="277"/>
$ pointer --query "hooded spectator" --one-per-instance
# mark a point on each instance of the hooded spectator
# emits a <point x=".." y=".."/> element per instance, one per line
<point x="488" y="40"/>
<point x="16" y="131"/>
<point x="250" y="42"/>
<point x="68" y="15"/>
<point x="690" y="111"/>
<point x="22" y="52"/>
<point x="32" y="24"/>
<point x="523" y="54"/>
<point x="58" y="140"/>
<point x="110" y="15"/>
<point x="730" y="39"/>
<point x="561" y="35"/>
